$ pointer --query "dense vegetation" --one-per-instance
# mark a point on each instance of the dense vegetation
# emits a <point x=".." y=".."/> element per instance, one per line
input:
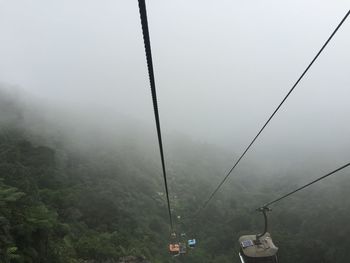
<point x="64" y="204"/>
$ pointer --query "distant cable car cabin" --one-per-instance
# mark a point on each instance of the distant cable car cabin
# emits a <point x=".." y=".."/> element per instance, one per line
<point x="174" y="249"/>
<point x="192" y="243"/>
<point x="183" y="248"/>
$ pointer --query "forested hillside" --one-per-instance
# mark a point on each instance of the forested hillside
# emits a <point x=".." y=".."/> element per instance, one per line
<point x="67" y="204"/>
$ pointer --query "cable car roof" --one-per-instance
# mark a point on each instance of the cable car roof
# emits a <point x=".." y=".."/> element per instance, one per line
<point x="251" y="248"/>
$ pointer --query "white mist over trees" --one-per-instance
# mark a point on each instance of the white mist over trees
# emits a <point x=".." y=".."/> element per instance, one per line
<point x="220" y="70"/>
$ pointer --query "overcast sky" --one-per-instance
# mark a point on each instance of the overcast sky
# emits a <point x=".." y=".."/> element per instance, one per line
<point x="221" y="67"/>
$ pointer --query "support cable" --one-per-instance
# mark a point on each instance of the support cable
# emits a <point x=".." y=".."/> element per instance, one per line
<point x="273" y="114"/>
<point x="303" y="187"/>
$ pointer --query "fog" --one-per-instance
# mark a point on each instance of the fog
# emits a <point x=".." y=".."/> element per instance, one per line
<point x="221" y="67"/>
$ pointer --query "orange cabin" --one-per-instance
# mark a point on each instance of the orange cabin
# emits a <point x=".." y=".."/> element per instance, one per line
<point x="174" y="248"/>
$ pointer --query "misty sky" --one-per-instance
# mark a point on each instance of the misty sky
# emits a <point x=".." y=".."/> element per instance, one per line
<point x="221" y="67"/>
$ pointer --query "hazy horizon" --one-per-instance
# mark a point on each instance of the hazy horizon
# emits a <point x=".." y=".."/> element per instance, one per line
<point x="220" y="71"/>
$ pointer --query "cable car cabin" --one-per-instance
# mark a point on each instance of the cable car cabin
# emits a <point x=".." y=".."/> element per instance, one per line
<point x="174" y="249"/>
<point x="182" y="248"/>
<point x="191" y="243"/>
<point x="253" y="250"/>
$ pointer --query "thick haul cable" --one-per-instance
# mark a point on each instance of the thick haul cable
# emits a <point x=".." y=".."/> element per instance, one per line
<point x="146" y="39"/>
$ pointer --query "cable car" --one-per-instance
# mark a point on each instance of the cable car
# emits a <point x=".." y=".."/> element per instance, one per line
<point x="192" y="243"/>
<point x="258" y="248"/>
<point x="174" y="249"/>
<point x="255" y="249"/>
<point x="183" y="248"/>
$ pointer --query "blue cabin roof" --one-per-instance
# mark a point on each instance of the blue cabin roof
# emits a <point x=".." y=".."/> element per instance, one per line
<point x="191" y="242"/>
